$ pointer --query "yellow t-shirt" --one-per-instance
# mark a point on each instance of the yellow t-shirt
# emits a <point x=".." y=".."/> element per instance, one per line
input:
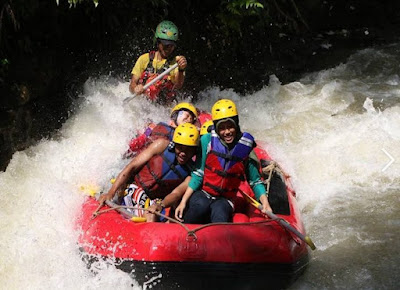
<point x="143" y="61"/>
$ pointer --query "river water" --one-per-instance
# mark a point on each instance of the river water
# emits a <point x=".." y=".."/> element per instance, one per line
<point x="331" y="130"/>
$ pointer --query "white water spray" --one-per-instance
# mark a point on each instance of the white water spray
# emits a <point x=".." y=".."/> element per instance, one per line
<point x="327" y="130"/>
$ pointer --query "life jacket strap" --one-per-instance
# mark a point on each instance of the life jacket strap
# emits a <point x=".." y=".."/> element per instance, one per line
<point x="162" y="134"/>
<point x="154" y="70"/>
<point x="226" y="156"/>
<point x="219" y="190"/>
<point x="172" y="166"/>
<point x="224" y="173"/>
<point x="142" y="184"/>
<point x="150" y="70"/>
<point x="159" y="181"/>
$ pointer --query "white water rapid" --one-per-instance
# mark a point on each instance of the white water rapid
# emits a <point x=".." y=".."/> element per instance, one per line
<point x="331" y="130"/>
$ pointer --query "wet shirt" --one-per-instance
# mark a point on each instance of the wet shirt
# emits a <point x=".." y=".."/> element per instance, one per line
<point x="143" y="61"/>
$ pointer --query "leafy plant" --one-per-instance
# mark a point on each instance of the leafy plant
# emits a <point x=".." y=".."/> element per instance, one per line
<point x="75" y="2"/>
<point x="235" y="6"/>
<point x="234" y="12"/>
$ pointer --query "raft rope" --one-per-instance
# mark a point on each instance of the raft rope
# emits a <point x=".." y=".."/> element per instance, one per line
<point x="272" y="167"/>
<point x="190" y="232"/>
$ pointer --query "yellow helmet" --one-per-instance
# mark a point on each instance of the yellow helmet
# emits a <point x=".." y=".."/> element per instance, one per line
<point x="186" y="134"/>
<point x="205" y="126"/>
<point x="223" y="109"/>
<point x="185" y="106"/>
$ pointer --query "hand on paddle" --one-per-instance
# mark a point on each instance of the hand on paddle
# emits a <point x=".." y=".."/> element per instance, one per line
<point x="181" y="61"/>
<point x="265" y="203"/>
<point x="103" y="198"/>
<point x="139" y="89"/>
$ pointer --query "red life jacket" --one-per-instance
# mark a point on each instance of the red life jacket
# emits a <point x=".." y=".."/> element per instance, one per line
<point x="163" y="90"/>
<point x="224" y="169"/>
<point x="162" y="174"/>
<point x="152" y="133"/>
<point x="162" y="130"/>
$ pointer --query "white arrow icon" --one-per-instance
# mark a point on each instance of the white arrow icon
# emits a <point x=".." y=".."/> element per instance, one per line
<point x="390" y="162"/>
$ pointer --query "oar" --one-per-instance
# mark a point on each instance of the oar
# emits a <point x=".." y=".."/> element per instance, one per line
<point x="126" y="213"/>
<point x="160" y="76"/>
<point x="279" y="220"/>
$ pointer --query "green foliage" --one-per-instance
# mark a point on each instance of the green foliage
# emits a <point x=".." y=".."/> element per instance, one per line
<point x="158" y="3"/>
<point x="75" y="2"/>
<point x="154" y="3"/>
<point x="234" y="12"/>
<point x="4" y="65"/>
<point x="236" y="15"/>
<point x="236" y="6"/>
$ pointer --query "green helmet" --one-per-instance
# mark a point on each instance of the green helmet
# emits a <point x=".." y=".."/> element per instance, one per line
<point x="167" y="30"/>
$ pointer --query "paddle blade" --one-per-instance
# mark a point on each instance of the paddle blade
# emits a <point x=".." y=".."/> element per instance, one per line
<point x="138" y="219"/>
<point x="90" y="190"/>
<point x="309" y="242"/>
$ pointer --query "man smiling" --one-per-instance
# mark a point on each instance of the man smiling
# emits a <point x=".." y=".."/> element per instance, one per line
<point x="227" y="158"/>
<point x="160" y="173"/>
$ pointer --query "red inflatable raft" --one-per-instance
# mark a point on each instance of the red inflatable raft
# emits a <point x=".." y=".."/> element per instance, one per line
<point x="253" y="252"/>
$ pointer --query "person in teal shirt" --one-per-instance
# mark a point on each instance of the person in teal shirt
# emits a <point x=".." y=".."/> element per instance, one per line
<point x="226" y="159"/>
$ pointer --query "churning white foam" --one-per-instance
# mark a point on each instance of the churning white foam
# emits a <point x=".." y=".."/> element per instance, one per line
<point x="327" y="130"/>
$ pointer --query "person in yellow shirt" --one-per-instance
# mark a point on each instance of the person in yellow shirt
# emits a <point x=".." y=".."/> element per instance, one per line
<point x="151" y="64"/>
